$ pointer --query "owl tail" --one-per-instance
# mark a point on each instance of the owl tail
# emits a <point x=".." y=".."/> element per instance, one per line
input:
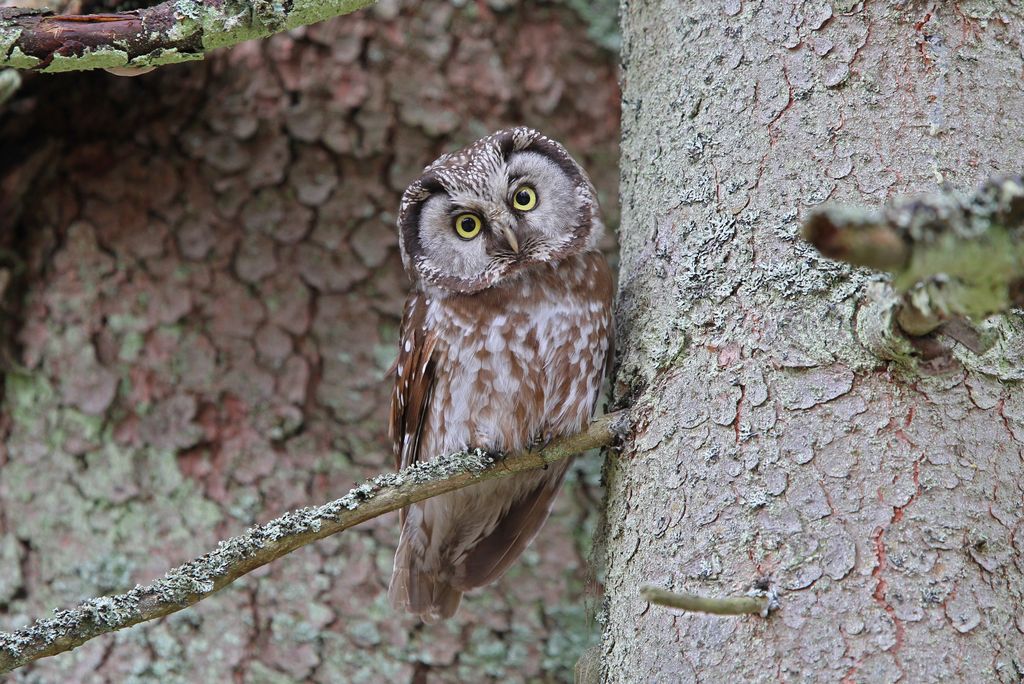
<point x="417" y="585"/>
<point x="427" y="580"/>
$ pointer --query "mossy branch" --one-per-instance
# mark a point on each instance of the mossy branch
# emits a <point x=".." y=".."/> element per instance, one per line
<point x="238" y="556"/>
<point x="951" y="254"/>
<point x="173" y="31"/>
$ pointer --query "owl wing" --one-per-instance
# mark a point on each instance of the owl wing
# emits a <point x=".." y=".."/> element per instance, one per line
<point x="414" y="382"/>
<point x="411" y="589"/>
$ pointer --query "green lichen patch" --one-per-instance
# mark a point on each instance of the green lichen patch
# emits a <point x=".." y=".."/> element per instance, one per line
<point x="91" y="59"/>
<point x="26" y="396"/>
<point x="311" y="11"/>
<point x="86" y="427"/>
<point x="228" y="24"/>
<point x="973" y="274"/>
<point x="19" y="60"/>
<point x="602" y="19"/>
<point x="8" y="37"/>
<point x="845" y="6"/>
<point x="574" y="631"/>
<point x="162" y="57"/>
<point x="190" y="9"/>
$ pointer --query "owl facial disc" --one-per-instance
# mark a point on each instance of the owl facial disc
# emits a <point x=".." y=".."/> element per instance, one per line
<point x="482" y="215"/>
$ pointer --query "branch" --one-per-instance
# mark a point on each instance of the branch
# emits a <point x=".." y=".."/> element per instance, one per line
<point x="173" y="31"/>
<point x="732" y="605"/>
<point x="952" y="254"/>
<point x="238" y="556"/>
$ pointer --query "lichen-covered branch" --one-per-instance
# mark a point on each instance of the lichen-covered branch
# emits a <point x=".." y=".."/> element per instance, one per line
<point x="199" y="578"/>
<point x="951" y="254"/>
<point x="173" y="31"/>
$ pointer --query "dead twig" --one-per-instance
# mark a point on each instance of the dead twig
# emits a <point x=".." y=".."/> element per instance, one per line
<point x="730" y="605"/>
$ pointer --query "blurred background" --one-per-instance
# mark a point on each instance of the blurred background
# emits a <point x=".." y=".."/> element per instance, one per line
<point x="201" y="292"/>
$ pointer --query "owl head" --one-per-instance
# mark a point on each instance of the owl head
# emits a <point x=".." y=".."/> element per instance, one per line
<point x="490" y="211"/>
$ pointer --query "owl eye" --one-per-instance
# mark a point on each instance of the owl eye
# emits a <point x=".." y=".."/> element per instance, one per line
<point x="468" y="226"/>
<point x="525" y="198"/>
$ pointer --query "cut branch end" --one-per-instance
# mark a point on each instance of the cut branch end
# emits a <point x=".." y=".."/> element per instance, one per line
<point x="856" y="237"/>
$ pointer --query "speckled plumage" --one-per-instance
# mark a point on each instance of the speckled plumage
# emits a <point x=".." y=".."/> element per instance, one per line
<point x="500" y="348"/>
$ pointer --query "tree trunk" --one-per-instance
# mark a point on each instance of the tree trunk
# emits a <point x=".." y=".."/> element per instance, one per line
<point x="773" y="446"/>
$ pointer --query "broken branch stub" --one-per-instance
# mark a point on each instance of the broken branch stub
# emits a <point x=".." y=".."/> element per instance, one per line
<point x="951" y="254"/>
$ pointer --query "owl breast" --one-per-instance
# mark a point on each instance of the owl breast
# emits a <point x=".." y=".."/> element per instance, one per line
<point x="520" y="362"/>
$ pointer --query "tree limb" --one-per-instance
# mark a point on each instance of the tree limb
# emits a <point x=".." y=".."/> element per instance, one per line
<point x="951" y="254"/>
<point x="173" y="31"/>
<point x="238" y="556"/>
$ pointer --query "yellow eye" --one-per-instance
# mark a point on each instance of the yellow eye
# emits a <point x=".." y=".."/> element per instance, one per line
<point x="525" y="198"/>
<point x="468" y="226"/>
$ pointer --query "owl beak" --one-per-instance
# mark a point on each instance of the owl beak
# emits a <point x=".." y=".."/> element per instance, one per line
<point x="510" y="237"/>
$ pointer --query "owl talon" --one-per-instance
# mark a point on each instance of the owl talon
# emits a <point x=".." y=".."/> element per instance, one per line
<point x="542" y="442"/>
<point x="496" y="456"/>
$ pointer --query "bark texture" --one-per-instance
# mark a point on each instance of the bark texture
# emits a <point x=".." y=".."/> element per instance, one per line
<point x="773" y="447"/>
<point x="202" y="272"/>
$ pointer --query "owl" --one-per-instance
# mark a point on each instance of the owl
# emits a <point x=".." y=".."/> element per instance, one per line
<point x="504" y="343"/>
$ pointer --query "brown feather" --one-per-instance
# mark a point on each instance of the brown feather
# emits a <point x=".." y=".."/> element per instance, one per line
<point x="414" y="380"/>
<point x="493" y="554"/>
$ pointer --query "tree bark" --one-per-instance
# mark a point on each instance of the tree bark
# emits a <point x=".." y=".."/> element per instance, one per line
<point x="775" y="447"/>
